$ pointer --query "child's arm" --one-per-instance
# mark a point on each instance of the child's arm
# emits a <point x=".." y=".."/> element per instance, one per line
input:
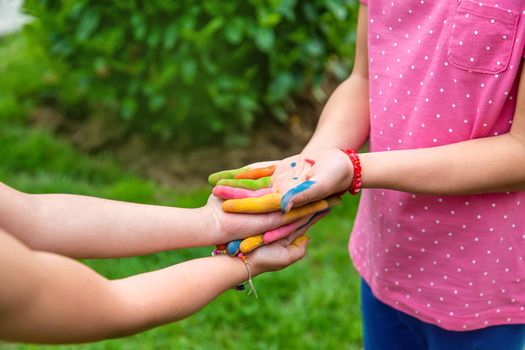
<point x="87" y="227"/>
<point x="47" y="298"/>
<point x="490" y="164"/>
<point x="344" y="121"/>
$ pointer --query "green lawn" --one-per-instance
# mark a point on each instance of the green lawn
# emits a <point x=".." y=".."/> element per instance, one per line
<point x="311" y="305"/>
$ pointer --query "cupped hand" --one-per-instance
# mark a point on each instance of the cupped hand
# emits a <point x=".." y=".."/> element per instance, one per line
<point x="226" y="227"/>
<point x="307" y="178"/>
<point x="282" y="253"/>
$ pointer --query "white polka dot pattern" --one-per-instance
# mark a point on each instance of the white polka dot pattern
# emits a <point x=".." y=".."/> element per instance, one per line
<point x="443" y="72"/>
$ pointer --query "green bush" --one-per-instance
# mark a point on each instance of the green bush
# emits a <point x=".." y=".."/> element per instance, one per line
<point x="191" y="70"/>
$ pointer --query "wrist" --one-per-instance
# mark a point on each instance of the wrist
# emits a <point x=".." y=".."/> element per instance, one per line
<point x="212" y="232"/>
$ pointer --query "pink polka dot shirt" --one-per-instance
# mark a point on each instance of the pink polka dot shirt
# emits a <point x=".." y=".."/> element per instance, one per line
<point x="442" y="72"/>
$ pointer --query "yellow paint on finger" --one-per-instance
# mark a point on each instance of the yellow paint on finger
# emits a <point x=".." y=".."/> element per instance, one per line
<point x="300" y="240"/>
<point x="251" y="243"/>
<point x="265" y="204"/>
<point x="306" y="210"/>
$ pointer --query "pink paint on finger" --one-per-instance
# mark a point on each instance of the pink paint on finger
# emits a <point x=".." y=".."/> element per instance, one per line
<point x="283" y="231"/>
<point x="226" y="192"/>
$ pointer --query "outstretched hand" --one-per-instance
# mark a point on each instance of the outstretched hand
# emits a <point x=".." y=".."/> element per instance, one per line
<point x="307" y="178"/>
<point x="279" y="254"/>
<point x="231" y="226"/>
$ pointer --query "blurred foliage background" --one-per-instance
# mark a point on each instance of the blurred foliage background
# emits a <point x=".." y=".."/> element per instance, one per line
<point x="120" y="99"/>
<point x="198" y="72"/>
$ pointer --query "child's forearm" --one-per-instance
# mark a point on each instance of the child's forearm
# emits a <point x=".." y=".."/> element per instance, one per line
<point x="493" y="164"/>
<point x="178" y="291"/>
<point x="48" y="298"/>
<point x="88" y="227"/>
<point x="490" y="164"/>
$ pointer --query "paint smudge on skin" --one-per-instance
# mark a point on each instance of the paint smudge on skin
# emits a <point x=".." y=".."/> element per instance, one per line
<point x="309" y="161"/>
<point x="295" y="178"/>
<point x="286" y="200"/>
<point x="293" y="164"/>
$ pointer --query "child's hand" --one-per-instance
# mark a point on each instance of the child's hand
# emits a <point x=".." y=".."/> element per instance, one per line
<point x="307" y="178"/>
<point x="281" y="253"/>
<point x="225" y="227"/>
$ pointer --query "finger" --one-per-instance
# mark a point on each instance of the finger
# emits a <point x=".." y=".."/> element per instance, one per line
<point x="335" y="200"/>
<point x="312" y="190"/>
<point x="247" y="184"/>
<point x="306" y="210"/>
<point x="287" y="199"/>
<point x="263" y="164"/>
<point x="226" y="192"/>
<point x="297" y="249"/>
<point x="232" y="248"/>
<point x="225" y="174"/>
<point x="256" y="173"/>
<point x="303" y="229"/>
<point x="251" y="243"/>
<point x="283" y="231"/>
<point x="264" y="204"/>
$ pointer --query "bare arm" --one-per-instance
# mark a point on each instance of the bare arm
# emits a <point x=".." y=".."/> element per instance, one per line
<point x="345" y="121"/>
<point x="47" y="298"/>
<point x="491" y="164"/>
<point x="88" y="227"/>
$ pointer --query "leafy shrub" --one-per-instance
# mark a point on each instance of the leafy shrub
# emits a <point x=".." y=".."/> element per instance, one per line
<point x="191" y="70"/>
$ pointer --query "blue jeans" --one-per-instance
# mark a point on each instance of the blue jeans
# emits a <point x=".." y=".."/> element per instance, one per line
<point x="385" y="328"/>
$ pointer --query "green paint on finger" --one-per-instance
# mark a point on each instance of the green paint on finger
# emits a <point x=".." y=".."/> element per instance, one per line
<point x="263" y="182"/>
<point x="225" y="174"/>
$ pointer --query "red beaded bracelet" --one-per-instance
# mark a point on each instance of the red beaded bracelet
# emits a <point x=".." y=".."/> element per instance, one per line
<point x="355" y="187"/>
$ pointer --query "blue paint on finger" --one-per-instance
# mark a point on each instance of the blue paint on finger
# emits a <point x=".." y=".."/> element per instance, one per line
<point x="293" y="164"/>
<point x="285" y="201"/>
<point x="233" y="247"/>
<point x="295" y="178"/>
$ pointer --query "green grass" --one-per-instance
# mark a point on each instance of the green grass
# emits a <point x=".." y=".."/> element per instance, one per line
<point x="310" y="305"/>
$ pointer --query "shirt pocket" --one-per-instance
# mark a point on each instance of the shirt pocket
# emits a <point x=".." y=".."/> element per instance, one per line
<point x="482" y="37"/>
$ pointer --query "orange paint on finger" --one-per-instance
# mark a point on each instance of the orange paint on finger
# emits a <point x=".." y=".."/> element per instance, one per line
<point x="255" y="174"/>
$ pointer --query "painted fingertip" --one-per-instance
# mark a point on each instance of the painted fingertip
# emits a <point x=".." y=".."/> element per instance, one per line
<point x="301" y="241"/>
<point x="288" y="207"/>
<point x="288" y="196"/>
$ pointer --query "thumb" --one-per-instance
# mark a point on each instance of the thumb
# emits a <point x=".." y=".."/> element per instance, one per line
<point x="297" y="249"/>
<point x="309" y="191"/>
